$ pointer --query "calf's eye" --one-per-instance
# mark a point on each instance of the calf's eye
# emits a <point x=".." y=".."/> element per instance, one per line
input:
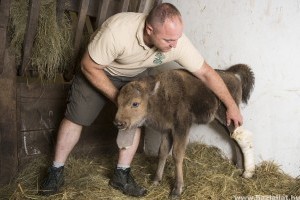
<point x="135" y="104"/>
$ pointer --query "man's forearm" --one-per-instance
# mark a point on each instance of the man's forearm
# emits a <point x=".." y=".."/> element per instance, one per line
<point x="99" y="79"/>
<point x="216" y="84"/>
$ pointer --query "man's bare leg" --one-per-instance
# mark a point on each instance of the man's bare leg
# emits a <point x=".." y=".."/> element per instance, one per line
<point x="68" y="136"/>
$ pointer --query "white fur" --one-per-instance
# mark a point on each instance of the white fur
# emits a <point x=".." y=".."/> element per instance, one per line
<point x="156" y="87"/>
<point x="245" y="141"/>
<point x="238" y="76"/>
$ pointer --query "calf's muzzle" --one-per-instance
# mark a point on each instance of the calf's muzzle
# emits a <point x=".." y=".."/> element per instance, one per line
<point x="120" y="124"/>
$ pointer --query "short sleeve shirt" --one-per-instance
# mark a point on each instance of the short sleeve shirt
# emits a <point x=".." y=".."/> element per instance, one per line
<point x="118" y="44"/>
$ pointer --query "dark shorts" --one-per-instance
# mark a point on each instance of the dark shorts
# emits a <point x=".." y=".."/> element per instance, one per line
<point x="85" y="102"/>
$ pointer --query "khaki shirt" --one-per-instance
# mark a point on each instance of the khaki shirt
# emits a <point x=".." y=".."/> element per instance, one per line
<point x="119" y="46"/>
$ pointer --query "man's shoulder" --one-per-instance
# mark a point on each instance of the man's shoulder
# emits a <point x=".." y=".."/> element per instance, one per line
<point x="124" y="26"/>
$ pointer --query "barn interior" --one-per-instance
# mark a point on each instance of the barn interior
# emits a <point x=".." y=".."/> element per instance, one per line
<point x="42" y="44"/>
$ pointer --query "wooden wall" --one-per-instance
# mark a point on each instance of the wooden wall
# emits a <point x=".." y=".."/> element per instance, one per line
<point x="8" y="120"/>
<point x="8" y="114"/>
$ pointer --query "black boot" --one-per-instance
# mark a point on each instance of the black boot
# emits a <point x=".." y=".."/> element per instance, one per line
<point x="123" y="180"/>
<point x="53" y="181"/>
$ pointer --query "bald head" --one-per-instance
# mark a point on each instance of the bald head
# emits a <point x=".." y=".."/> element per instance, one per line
<point x="162" y="13"/>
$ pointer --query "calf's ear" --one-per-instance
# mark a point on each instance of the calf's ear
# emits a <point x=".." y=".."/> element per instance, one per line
<point x="155" y="88"/>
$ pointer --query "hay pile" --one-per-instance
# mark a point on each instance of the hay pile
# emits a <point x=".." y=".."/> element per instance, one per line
<point x="52" y="48"/>
<point x="208" y="175"/>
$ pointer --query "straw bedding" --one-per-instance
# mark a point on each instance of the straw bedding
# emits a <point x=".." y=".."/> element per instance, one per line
<point x="208" y="175"/>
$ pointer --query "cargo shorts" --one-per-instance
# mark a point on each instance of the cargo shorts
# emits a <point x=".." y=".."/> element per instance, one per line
<point x="85" y="101"/>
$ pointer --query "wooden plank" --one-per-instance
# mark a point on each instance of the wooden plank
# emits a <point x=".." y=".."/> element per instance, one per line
<point x="102" y="12"/>
<point x="89" y="26"/>
<point x="74" y="5"/>
<point x="8" y="121"/>
<point x="157" y="2"/>
<point x="30" y="88"/>
<point x="2" y="48"/>
<point x="4" y="16"/>
<point x="35" y="143"/>
<point x="141" y="7"/>
<point x="81" y="21"/>
<point x="41" y="107"/>
<point x="41" y="114"/>
<point x="60" y="8"/>
<point x="4" y="12"/>
<point x="124" y="5"/>
<point x="8" y="152"/>
<point x="69" y="73"/>
<point x="30" y="33"/>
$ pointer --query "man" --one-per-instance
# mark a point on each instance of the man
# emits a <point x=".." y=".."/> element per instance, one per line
<point x="120" y="51"/>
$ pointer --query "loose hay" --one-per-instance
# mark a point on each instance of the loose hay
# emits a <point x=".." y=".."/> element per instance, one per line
<point x="208" y="175"/>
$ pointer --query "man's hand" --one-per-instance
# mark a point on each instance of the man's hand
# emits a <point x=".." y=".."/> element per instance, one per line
<point x="233" y="114"/>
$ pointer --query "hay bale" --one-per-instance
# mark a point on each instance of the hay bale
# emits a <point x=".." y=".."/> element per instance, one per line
<point x="208" y="175"/>
<point x="52" y="48"/>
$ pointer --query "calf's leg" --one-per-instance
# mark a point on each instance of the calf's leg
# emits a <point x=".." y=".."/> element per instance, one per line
<point x="179" y="145"/>
<point x="238" y="158"/>
<point x="164" y="150"/>
<point x="244" y="138"/>
<point x="237" y="154"/>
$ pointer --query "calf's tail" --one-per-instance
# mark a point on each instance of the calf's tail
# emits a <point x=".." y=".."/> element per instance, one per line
<point x="246" y="76"/>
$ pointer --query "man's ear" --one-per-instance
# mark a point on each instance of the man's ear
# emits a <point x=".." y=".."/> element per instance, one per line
<point x="149" y="29"/>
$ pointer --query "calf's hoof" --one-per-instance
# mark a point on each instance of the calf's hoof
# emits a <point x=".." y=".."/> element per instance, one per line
<point x="174" y="197"/>
<point x="248" y="174"/>
<point x="155" y="182"/>
<point x="175" y="194"/>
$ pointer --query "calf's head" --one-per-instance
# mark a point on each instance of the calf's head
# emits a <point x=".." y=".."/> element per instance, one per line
<point x="133" y="104"/>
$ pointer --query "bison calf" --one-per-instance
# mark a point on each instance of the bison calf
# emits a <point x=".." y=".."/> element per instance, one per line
<point x="171" y="101"/>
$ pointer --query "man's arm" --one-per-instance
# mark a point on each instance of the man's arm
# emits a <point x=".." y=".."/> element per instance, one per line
<point x="96" y="75"/>
<point x="214" y="82"/>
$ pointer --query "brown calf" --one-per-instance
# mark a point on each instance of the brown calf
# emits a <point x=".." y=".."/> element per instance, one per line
<point x="171" y="101"/>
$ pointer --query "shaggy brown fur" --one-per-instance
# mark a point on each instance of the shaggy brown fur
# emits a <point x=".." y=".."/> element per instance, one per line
<point x="171" y="101"/>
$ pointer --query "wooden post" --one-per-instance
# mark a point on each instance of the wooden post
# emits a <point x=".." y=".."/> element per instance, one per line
<point x="60" y="8"/>
<point x="31" y="29"/>
<point x="142" y="5"/>
<point x="8" y="122"/>
<point x="102" y="13"/>
<point x="84" y="5"/>
<point x="4" y="15"/>
<point x="157" y="2"/>
<point x="81" y="21"/>
<point x="124" y="5"/>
